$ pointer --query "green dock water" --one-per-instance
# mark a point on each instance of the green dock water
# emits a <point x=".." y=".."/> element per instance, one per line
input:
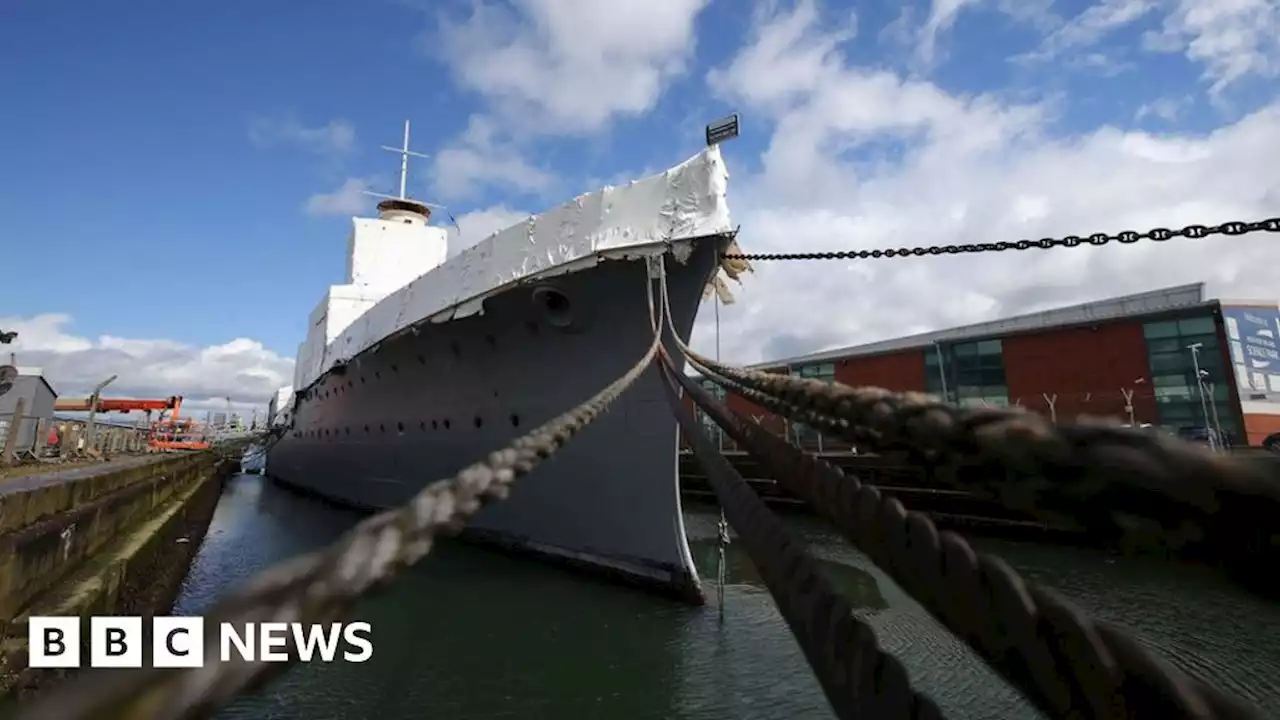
<point x="470" y="634"/>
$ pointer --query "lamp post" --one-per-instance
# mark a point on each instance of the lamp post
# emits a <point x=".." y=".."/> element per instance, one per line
<point x="1204" y="407"/>
<point x="93" y="410"/>
<point x="942" y="371"/>
<point x="1213" y="406"/>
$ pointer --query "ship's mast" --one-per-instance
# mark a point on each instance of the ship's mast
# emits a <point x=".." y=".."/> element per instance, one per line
<point x="404" y="153"/>
<point x="402" y="206"/>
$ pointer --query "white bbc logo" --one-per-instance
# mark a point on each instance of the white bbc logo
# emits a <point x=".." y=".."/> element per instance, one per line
<point x="117" y="642"/>
<point x="54" y="642"/>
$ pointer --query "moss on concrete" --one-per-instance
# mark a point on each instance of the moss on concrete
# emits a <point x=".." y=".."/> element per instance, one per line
<point x="130" y="560"/>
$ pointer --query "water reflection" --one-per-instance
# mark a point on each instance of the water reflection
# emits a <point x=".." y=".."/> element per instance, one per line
<point x="857" y="585"/>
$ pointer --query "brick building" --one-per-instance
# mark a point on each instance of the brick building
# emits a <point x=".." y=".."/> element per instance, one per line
<point x="1128" y="357"/>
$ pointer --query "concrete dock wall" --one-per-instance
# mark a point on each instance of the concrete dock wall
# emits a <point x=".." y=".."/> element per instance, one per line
<point x="115" y="538"/>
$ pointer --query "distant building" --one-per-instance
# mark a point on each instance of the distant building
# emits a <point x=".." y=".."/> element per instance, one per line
<point x="38" y="395"/>
<point x="1085" y="359"/>
<point x="219" y="419"/>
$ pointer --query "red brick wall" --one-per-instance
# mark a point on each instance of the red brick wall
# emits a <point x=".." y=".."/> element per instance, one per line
<point x="1086" y="367"/>
<point x="899" y="371"/>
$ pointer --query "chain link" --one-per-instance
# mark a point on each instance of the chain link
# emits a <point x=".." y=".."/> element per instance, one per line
<point x="1098" y="474"/>
<point x="1128" y="237"/>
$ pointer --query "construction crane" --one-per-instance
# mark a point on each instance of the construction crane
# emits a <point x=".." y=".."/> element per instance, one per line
<point x="122" y="405"/>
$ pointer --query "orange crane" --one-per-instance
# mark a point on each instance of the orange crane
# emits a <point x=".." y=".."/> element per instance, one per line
<point x="122" y="405"/>
<point x="167" y="433"/>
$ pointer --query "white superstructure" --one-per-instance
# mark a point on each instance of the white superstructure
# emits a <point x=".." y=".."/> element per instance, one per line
<point x="397" y="274"/>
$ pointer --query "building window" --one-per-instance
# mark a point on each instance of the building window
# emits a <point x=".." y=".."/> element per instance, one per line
<point x="1160" y="330"/>
<point x="1173" y="375"/>
<point x="978" y="372"/>
<point x="819" y="371"/>
<point x="974" y="373"/>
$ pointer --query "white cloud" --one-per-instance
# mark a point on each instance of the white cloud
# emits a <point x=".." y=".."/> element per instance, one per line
<point x="336" y="137"/>
<point x="942" y="14"/>
<point x="1232" y="39"/>
<point x="541" y="74"/>
<point x="1094" y="23"/>
<point x="348" y="199"/>
<point x="571" y="65"/>
<point x="1165" y="109"/>
<point x="480" y="224"/>
<point x="963" y="169"/>
<point x="478" y="159"/>
<point x="241" y="369"/>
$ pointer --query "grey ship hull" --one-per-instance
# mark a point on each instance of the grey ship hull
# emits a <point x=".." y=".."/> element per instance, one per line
<point x="421" y="407"/>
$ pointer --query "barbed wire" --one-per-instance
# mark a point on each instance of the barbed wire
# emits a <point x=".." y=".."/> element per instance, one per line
<point x="1127" y="237"/>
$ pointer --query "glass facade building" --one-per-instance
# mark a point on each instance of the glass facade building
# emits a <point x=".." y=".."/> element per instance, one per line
<point x="1173" y="375"/>
<point x="971" y="373"/>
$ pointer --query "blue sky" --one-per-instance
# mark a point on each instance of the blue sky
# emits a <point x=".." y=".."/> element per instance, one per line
<point x="179" y="177"/>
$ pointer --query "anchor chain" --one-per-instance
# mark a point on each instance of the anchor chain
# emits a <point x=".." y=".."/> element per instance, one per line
<point x="1028" y="631"/>
<point x="323" y="586"/>
<point x="1120" y="484"/>
<point x="1127" y="237"/>
<point x="1066" y="664"/>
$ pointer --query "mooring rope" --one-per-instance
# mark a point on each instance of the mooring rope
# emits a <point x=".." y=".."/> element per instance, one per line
<point x="1068" y="665"/>
<point x="323" y="586"/>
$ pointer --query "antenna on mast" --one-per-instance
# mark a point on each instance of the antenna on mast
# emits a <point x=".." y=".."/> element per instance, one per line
<point x="404" y="152"/>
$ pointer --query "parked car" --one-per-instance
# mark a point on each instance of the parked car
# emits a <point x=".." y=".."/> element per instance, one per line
<point x="1202" y="434"/>
<point x="1272" y="442"/>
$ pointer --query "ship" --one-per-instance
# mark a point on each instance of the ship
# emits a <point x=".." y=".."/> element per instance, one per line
<point x="420" y="364"/>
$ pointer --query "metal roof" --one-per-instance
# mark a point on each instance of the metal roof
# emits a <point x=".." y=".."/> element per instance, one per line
<point x="36" y="372"/>
<point x="1144" y="303"/>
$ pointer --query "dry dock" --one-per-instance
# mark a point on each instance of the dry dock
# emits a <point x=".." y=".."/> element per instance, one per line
<point x="111" y="538"/>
